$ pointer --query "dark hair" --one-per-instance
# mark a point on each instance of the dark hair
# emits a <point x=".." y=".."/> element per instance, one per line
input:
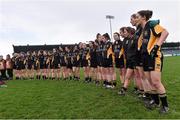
<point x="106" y="35"/>
<point x="133" y="15"/>
<point x="130" y="30"/>
<point x="146" y="13"/>
<point x="97" y="35"/>
<point x="117" y="33"/>
<point x="122" y="29"/>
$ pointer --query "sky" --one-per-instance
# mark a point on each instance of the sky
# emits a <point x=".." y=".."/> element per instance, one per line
<point x="39" y="22"/>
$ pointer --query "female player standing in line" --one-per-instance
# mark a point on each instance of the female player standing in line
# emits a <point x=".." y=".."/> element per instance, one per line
<point x="153" y="38"/>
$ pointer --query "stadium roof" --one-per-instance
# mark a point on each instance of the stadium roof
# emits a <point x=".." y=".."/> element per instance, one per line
<point x="25" y="48"/>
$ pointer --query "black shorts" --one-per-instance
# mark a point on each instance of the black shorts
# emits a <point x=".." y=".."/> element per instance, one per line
<point x="42" y="67"/>
<point x="119" y="62"/>
<point x="139" y="59"/>
<point x="153" y="64"/>
<point x="29" y="67"/>
<point x="131" y="64"/>
<point x="14" y="66"/>
<point x="45" y="66"/>
<point x="69" y="66"/>
<point x="23" y="67"/>
<point x="63" y="64"/>
<point x="93" y="63"/>
<point x="76" y="63"/>
<point x="99" y="61"/>
<point x="56" y="67"/>
<point x="35" y="67"/>
<point x="107" y="62"/>
<point x="84" y="63"/>
<point x="18" y="68"/>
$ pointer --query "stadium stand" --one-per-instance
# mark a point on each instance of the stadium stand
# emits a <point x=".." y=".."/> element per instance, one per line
<point x="171" y="49"/>
<point x="168" y="49"/>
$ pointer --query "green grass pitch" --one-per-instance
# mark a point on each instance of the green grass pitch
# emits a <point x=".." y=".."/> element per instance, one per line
<point x="76" y="99"/>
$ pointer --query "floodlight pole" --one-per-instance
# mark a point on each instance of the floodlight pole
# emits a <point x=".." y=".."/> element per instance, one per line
<point x="110" y="17"/>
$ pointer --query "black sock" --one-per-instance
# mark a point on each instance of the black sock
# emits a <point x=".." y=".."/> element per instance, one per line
<point x="97" y="81"/>
<point x="114" y="83"/>
<point x="147" y="95"/>
<point x="155" y="97"/>
<point x="106" y="82"/>
<point x="90" y="79"/>
<point x="109" y="83"/>
<point x="124" y="89"/>
<point x="163" y="99"/>
<point x="135" y="88"/>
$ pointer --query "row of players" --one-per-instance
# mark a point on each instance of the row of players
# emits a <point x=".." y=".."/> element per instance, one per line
<point x="137" y="57"/>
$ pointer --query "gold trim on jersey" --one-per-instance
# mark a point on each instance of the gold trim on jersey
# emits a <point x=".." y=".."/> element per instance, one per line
<point x="153" y="39"/>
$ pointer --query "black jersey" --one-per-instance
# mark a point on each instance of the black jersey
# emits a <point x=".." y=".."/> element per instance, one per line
<point x="93" y="54"/>
<point x="99" y="49"/>
<point x="13" y="62"/>
<point x="80" y="54"/>
<point x="84" y="53"/>
<point x="131" y="49"/>
<point x="124" y="45"/>
<point x="75" y="57"/>
<point x="45" y="61"/>
<point x="41" y="61"/>
<point x="69" y="56"/>
<point x="117" y="47"/>
<point x="138" y="37"/>
<point x="69" y="59"/>
<point x="29" y="62"/>
<point x="36" y="63"/>
<point x="49" y="62"/>
<point x="17" y="63"/>
<point x="62" y="58"/>
<point x="56" y="60"/>
<point x="93" y="57"/>
<point x="150" y="34"/>
<point x="20" y="63"/>
<point x="83" y="57"/>
<point x="106" y="46"/>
